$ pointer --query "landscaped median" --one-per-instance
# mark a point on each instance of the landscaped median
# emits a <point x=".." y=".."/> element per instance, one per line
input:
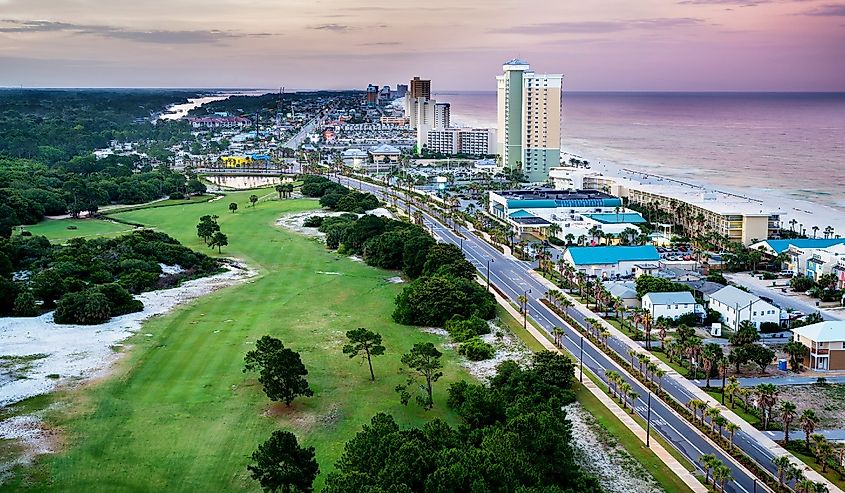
<point x="706" y="421"/>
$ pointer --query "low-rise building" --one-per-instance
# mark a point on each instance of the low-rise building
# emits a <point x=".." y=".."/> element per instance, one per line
<point x="810" y="257"/>
<point x="608" y="262"/>
<point x="469" y="141"/>
<point x="385" y="154"/>
<point x="737" y="305"/>
<point x="825" y="342"/>
<point x="354" y="157"/>
<point x="624" y="291"/>
<point x="671" y="305"/>
<point x="219" y="122"/>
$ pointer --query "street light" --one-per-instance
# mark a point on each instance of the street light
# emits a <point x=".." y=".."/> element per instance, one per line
<point x="581" y="362"/>
<point x="488" y="273"/>
<point x="648" y="422"/>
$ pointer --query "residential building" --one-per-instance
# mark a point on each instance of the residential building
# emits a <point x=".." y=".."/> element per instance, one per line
<point x="608" y="262"/>
<point x="219" y="122"/>
<point x="372" y="96"/>
<point x="393" y="120"/>
<point x="825" y="342"/>
<point x="671" y="305"/>
<point x="737" y="305"/>
<point x="625" y="291"/>
<point x="529" y="119"/>
<point x="420" y="88"/>
<point x="384" y="93"/>
<point x="470" y="141"/>
<point x="401" y="90"/>
<point x="441" y="115"/>
<point x="810" y="257"/>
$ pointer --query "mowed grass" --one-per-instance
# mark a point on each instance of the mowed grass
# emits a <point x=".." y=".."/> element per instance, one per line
<point x="56" y="230"/>
<point x="179" y="414"/>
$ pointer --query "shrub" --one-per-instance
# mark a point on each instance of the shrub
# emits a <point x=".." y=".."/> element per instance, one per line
<point x="800" y="283"/>
<point x="177" y="196"/>
<point x="434" y="300"/>
<point x="769" y="276"/>
<point x="462" y="330"/>
<point x="25" y="304"/>
<point x="138" y="281"/>
<point x="89" y="307"/>
<point x="72" y="227"/>
<point x="26" y="233"/>
<point x="313" y="222"/>
<point x="476" y="350"/>
<point x="120" y="300"/>
<point x="769" y="327"/>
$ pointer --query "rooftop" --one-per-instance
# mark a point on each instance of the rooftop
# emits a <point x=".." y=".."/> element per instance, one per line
<point x="385" y="149"/>
<point x="626" y="217"/>
<point x="612" y="254"/>
<point x="732" y="296"/>
<point x="827" y="331"/>
<point x="550" y="198"/>
<point x="670" y="298"/>
<point x="780" y="246"/>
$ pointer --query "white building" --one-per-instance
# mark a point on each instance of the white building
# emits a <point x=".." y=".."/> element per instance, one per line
<point x="810" y="257"/>
<point x="354" y="157"/>
<point x="577" y="213"/>
<point x="736" y="305"/>
<point x="529" y="119"/>
<point x="442" y="115"/>
<point x="625" y="291"/>
<point x="608" y="262"/>
<point x="671" y="305"/>
<point x="471" y="141"/>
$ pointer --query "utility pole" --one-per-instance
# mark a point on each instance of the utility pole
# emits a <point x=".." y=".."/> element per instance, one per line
<point x="648" y="421"/>
<point x="488" y="273"/>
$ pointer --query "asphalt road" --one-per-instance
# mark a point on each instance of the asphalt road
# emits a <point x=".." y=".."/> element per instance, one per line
<point x="514" y="278"/>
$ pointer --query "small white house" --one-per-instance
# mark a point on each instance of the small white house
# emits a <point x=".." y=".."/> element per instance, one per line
<point x="626" y="291"/>
<point x="670" y="305"/>
<point x="737" y="305"/>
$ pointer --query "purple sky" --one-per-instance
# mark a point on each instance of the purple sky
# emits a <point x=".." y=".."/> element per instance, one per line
<point x="696" y="45"/>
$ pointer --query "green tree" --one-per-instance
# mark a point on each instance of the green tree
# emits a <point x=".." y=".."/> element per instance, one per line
<point x="746" y="334"/>
<point x="48" y="286"/>
<point x="808" y="420"/>
<point x="218" y="240"/>
<point x="365" y="343"/>
<point x="25" y="304"/>
<point x="253" y="199"/>
<point x="421" y="362"/>
<point x="207" y="227"/>
<point x="281" y="464"/>
<point x="89" y="307"/>
<point x="233" y="206"/>
<point x="788" y="413"/>
<point x="796" y="352"/>
<point x="280" y="370"/>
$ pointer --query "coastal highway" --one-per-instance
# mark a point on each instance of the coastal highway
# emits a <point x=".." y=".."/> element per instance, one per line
<point x="514" y="278"/>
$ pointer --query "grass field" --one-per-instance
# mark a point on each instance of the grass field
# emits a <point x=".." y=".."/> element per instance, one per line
<point x="56" y="229"/>
<point x="179" y="415"/>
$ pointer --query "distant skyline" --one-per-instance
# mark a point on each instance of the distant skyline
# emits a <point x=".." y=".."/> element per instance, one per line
<point x="602" y="45"/>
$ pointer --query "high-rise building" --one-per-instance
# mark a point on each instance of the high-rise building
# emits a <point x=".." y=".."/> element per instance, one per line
<point x="529" y="119"/>
<point x="401" y="90"/>
<point x="372" y="96"/>
<point x="420" y="88"/>
<point x="441" y="115"/>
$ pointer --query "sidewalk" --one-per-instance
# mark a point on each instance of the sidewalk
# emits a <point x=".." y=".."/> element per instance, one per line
<point x="671" y="462"/>
<point x="758" y="436"/>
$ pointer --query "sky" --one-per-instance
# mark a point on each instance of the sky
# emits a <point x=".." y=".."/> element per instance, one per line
<point x="599" y="45"/>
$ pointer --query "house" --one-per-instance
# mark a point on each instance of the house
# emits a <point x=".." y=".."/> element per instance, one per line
<point x="608" y="262"/>
<point x="826" y="344"/>
<point x="670" y="305"/>
<point x="625" y="291"/>
<point x="776" y="247"/>
<point x="737" y="305"/>
<point x="703" y="289"/>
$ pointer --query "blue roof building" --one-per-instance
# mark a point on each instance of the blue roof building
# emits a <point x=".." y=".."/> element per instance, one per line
<point x="612" y="261"/>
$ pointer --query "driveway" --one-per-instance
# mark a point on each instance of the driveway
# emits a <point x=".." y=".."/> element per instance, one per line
<point x="784" y="300"/>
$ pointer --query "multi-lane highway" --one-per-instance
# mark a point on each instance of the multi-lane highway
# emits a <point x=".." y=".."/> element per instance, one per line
<point x="514" y="278"/>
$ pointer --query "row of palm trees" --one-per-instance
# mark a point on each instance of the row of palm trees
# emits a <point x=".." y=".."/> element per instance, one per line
<point x="715" y="471"/>
<point x="787" y="473"/>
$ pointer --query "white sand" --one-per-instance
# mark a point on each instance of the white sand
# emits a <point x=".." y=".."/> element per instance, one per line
<point x="80" y="352"/>
<point x="788" y="205"/>
<point x="242" y="182"/>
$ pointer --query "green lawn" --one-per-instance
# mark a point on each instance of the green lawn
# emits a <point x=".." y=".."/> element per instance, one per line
<point x="179" y="415"/>
<point x="56" y="230"/>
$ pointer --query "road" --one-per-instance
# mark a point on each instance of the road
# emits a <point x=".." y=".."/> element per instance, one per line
<point x="297" y="139"/>
<point x="515" y="278"/>
<point x="780" y="298"/>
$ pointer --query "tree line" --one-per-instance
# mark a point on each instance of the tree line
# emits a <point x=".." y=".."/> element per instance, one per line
<point x="89" y="281"/>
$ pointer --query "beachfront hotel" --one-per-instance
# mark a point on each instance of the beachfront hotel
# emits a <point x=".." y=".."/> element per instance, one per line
<point x="529" y="119"/>
<point x="740" y="219"/>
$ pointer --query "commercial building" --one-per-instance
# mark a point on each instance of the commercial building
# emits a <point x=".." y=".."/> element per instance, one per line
<point x="385" y="154"/>
<point x="825" y="342"/>
<point x="579" y="214"/>
<point x="739" y="219"/>
<point x="529" y="119"/>
<point x="372" y="96"/>
<point x="219" y="122"/>
<point x="737" y="305"/>
<point x="393" y="120"/>
<point x="355" y="158"/>
<point x="671" y="305"/>
<point x="470" y="141"/>
<point x="608" y="262"/>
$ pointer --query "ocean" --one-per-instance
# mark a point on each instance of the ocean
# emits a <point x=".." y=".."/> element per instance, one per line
<point x="778" y="144"/>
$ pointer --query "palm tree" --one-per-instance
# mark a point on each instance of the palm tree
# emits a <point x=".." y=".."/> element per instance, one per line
<point x="722" y="474"/>
<point x="647" y="320"/>
<point x="732" y="429"/>
<point x="731" y="389"/>
<point x="782" y="463"/>
<point x="767" y="397"/>
<point x="633" y="395"/>
<point x="708" y="357"/>
<point x="823" y="450"/>
<point x="632" y="353"/>
<point x="523" y="303"/>
<point x="713" y="413"/>
<point x="828" y="232"/>
<point x="815" y="230"/>
<point x="659" y="374"/>
<point x="808" y="421"/>
<point x="788" y="413"/>
<point x="707" y="462"/>
<point x="625" y="390"/>
<point x="558" y="334"/>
